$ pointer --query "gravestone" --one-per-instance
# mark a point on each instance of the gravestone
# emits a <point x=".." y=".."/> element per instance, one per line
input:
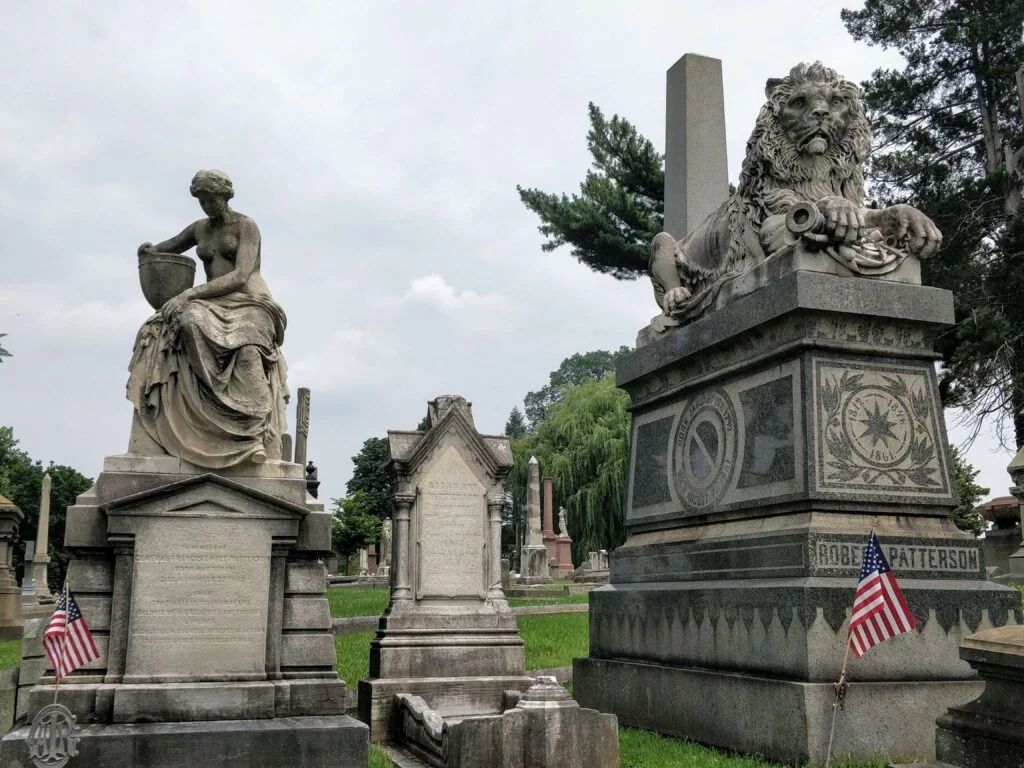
<point x="771" y="431"/>
<point x="448" y="635"/>
<point x="302" y="426"/>
<point x="534" y="555"/>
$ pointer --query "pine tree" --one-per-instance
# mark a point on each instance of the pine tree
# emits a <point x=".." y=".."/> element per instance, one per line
<point x="515" y="427"/>
<point x="949" y="140"/>
<point x="620" y="208"/>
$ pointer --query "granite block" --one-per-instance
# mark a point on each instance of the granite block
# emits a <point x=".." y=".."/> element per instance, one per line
<point x="308" y="577"/>
<point x="307" y="650"/>
<point x="307" y="613"/>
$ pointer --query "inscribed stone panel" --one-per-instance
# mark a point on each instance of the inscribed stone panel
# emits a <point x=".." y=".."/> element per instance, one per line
<point x="199" y="599"/>
<point x="451" y="515"/>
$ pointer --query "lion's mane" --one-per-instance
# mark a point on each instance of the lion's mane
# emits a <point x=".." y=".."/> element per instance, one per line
<point x="774" y="172"/>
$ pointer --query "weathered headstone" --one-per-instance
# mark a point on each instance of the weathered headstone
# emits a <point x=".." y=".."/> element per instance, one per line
<point x="534" y="556"/>
<point x="11" y="621"/>
<point x="793" y="411"/>
<point x="29" y="604"/>
<point x="41" y="560"/>
<point x="448" y="635"/>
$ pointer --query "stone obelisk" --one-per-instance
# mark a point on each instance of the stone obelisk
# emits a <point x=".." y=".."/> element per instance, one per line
<point x="534" y="556"/>
<point x="41" y="560"/>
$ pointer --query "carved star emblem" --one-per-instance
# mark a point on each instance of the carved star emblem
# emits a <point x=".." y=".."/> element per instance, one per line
<point x="877" y="426"/>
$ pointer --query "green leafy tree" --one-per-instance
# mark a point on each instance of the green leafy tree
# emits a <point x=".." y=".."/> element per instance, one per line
<point x="574" y="370"/>
<point x="583" y="444"/>
<point x="373" y="478"/>
<point x="610" y="224"/>
<point x="948" y="139"/>
<point x="966" y="516"/>
<point x="355" y="525"/>
<point x="515" y="427"/>
<point x="21" y="481"/>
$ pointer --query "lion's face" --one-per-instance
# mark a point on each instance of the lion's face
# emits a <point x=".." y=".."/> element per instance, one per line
<point x="810" y="137"/>
<point x="814" y="117"/>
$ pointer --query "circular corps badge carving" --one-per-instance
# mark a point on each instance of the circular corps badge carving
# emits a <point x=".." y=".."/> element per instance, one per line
<point x="51" y="737"/>
<point x="704" y="449"/>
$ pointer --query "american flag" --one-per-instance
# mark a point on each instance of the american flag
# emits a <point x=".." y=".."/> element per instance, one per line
<point x="879" y="610"/>
<point x="67" y="639"/>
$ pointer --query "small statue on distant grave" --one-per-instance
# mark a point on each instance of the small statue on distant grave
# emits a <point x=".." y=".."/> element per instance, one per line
<point x="801" y="184"/>
<point x="563" y="527"/>
<point x="208" y="380"/>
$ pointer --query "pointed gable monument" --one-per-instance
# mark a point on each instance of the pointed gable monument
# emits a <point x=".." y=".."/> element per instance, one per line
<point x="448" y="635"/>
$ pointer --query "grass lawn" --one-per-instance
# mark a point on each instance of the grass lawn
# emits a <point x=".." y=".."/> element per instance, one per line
<point x="551" y="641"/>
<point x="372" y="601"/>
<point x="554" y="640"/>
<point x="519" y="602"/>
<point x="357" y="601"/>
<point x="10" y="654"/>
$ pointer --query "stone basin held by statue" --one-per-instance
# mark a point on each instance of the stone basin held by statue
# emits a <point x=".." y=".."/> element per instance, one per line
<point x="164" y="275"/>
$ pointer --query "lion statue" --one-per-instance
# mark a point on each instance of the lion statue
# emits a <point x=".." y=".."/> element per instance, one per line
<point x="802" y="184"/>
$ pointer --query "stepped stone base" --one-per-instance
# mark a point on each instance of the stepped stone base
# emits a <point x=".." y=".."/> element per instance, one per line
<point x="784" y="720"/>
<point x="310" y="742"/>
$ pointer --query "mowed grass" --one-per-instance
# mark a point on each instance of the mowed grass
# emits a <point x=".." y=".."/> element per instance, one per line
<point x="10" y="654"/>
<point x="353" y="656"/>
<point x="554" y="640"/>
<point x="643" y="749"/>
<point x="520" y="602"/>
<point x="372" y="601"/>
<point x="551" y="641"/>
<point x="357" y="601"/>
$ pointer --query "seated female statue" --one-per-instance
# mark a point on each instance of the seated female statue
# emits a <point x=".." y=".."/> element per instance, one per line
<point x="207" y="375"/>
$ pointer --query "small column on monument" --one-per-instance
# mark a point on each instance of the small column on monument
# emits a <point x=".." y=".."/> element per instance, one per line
<point x="494" y="505"/>
<point x="41" y="561"/>
<point x="400" y="548"/>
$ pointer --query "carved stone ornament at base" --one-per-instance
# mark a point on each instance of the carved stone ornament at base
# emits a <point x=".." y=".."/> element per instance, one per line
<point x="52" y="740"/>
<point x="801" y="189"/>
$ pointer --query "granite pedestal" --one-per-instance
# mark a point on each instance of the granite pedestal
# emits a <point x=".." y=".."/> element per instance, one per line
<point x="768" y="436"/>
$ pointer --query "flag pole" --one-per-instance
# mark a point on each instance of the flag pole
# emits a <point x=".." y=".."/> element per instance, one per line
<point x="63" y="641"/>
<point x="840" y="684"/>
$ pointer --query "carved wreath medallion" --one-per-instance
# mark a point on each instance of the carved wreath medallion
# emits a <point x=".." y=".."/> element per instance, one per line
<point x="877" y="430"/>
<point x="704" y="449"/>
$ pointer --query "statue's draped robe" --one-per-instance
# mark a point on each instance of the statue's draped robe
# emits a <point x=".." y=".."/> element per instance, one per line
<point x="196" y="396"/>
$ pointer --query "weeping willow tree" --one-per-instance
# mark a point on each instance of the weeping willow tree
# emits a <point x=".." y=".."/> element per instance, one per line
<point x="583" y="445"/>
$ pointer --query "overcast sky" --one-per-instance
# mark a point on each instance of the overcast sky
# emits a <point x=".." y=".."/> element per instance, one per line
<point x="377" y="145"/>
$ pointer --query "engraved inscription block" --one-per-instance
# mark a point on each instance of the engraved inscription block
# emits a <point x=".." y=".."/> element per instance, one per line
<point x="451" y="514"/>
<point x="199" y="599"/>
<point x="904" y="558"/>
<point x="877" y="430"/>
